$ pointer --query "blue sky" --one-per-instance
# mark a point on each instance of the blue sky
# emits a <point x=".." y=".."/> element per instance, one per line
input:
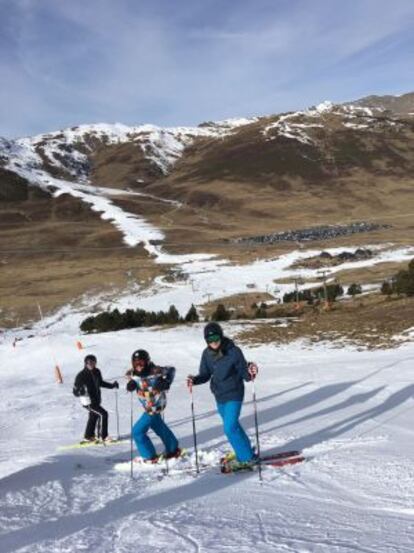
<point x="181" y="62"/>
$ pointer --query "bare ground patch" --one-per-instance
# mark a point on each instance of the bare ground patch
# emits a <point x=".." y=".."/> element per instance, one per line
<point x="368" y="322"/>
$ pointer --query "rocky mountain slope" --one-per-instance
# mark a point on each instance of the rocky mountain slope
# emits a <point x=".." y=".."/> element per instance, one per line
<point x="403" y="104"/>
<point x="204" y="188"/>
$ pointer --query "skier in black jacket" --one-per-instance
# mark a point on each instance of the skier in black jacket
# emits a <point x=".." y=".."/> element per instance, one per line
<point x="87" y="387"/>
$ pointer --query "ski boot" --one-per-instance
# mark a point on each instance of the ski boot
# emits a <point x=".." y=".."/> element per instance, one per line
<point x="229" y="456"/>
<point x="109" y="440"/>
<point x="86" y="441"/>
<point x="234" y="465"/>
<point x="141" y="461"/>
<point x="174" y="454"/>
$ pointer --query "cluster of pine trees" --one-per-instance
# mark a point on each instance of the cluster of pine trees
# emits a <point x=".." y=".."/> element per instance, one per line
<point x="310" y="295"/>
<point x="107" y="321"/>
<point x="401" y="284"/>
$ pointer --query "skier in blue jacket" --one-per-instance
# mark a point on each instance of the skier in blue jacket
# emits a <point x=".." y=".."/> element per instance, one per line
<point x="223" y="364"/>
<point x="151" y="384"/>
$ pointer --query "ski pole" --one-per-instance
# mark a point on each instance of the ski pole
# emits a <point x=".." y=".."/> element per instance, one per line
<point x="194" y="429"/>
<point x="117" y="414"/>
<point x="132" y="423"/>
<point x="100" y="429"/>
<point x="99" y="423"/>
<point x="256" y="424"/>
<point x="167" y="469"/>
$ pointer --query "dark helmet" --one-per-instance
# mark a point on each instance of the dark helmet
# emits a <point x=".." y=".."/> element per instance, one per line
<point x="90" y="357"/>
<point x="213" y="329"/>
<point x="140" y="354"/>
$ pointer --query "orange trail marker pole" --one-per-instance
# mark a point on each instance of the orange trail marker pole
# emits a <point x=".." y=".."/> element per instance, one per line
<point x="58" y="375"/>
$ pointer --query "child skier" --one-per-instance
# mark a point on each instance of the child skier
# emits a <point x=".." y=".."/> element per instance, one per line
<point x="151" y="383"/>
<point x="223" y="363"/>
<point x="87" y="387"/>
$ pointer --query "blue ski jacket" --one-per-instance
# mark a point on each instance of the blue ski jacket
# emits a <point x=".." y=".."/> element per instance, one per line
<point x="226" y="369"/>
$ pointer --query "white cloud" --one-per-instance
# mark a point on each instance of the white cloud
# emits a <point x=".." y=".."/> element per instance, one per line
<point x="128" y="61"/>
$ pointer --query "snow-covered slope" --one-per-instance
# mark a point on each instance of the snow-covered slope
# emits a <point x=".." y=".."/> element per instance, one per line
<point x="350" y="412"/>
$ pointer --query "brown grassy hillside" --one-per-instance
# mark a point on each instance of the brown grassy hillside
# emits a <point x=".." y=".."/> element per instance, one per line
<point x="275" y="174"/>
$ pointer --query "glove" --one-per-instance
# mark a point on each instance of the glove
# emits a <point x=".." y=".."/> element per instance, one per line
<point x="162" y="385"/>
<point x="190" y="381"/>
<point x="252" y="370"/>
<point x="131" y="386"/>
<point x="115" y="385"/>
<point x="78" y="392"/>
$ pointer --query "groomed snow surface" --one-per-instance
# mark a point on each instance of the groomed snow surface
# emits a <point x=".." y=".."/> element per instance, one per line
<point x="350" y="412"/>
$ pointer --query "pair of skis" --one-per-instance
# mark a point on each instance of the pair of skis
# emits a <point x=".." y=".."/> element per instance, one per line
<point x="276" y="460"/>
<point x="95" y="443"/>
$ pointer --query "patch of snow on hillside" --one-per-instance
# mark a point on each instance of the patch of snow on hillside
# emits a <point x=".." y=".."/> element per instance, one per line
<point x="360" y="110"/>
<point x="350" y="125"/>
<point x="323" y="107"/>
<point x="203" y="278"/>
<point x="165" y="146"/>
<point x="162" y="146"/>
<point x="285" y="127"/>
<point x="227" y="125"/>
<point x="5" y="147"/>
<point x="67" y="150"/>
<point x="135" y="229"/>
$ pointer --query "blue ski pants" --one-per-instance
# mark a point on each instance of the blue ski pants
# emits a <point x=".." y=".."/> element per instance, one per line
<point x="230" y="413"/>
<point x="144" y="445"/>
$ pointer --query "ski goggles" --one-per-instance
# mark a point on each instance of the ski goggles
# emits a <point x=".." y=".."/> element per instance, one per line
<point x="213" y="338"/>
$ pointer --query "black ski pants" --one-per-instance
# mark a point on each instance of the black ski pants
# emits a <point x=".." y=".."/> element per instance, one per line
<point x="97" y="414"/>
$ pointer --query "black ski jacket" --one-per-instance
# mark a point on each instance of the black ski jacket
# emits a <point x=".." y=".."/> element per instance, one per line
<point x="89" y="382"/>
